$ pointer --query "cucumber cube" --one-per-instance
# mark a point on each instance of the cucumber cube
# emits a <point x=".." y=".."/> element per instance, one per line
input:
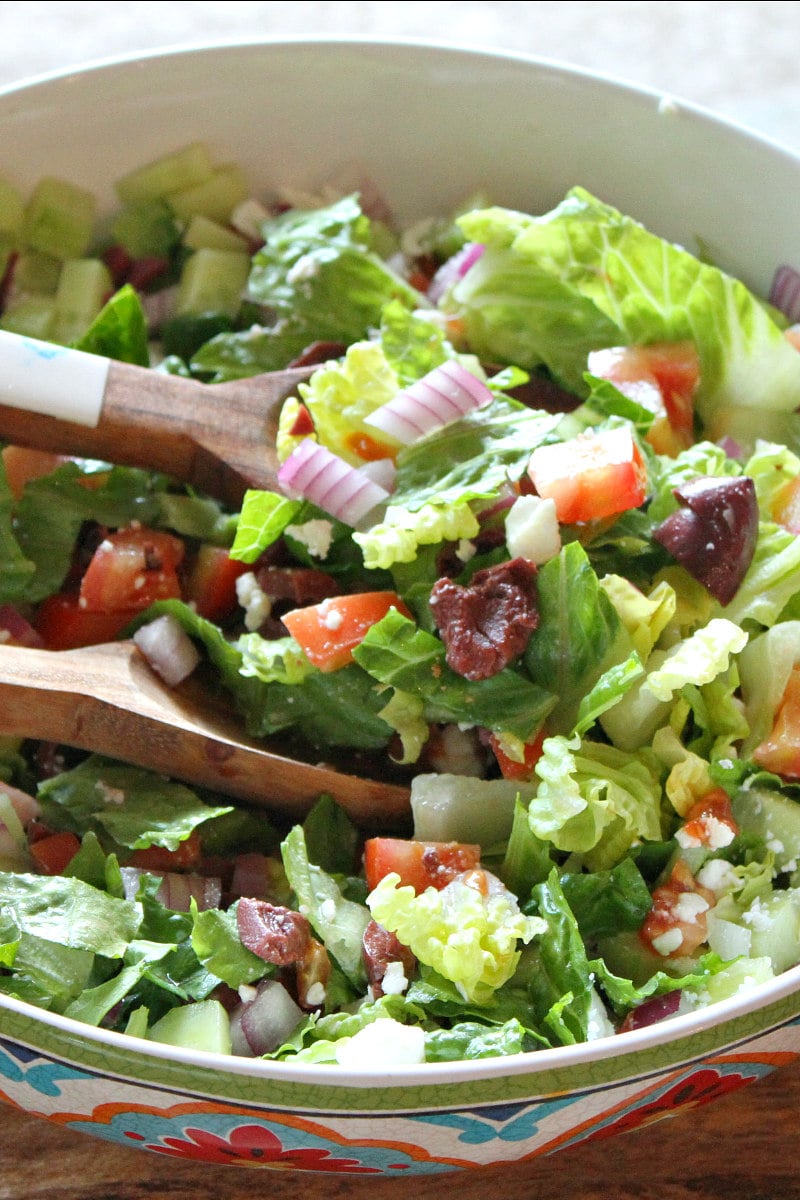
<point x="213" y="282"/>
<point x="83" y="289"/>
<point x="59" y="219"/>
<point x="201" y="1026"/>
<point x="215" y="198"/>
<point x="12" y="208"/>
<point x="37" y="272"/>
<point x="174" y="172"/>
<point x="204" y="234"/>
<point x="773" y="817"/>
<point x="146" y="229"/>
<point x="32" y="316"/>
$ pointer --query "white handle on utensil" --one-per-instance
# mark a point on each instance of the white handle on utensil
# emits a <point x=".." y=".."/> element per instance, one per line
<point x="53" y="380"/>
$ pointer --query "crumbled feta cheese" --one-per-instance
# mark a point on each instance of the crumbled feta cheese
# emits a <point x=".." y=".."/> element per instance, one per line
<point x="330" y="617"/>
<point x="111" y="795"/>
<point x="757" y="916"/>
<point x="718" y="876"/>
<point x="394" y="981"/>
<point x="689" y="906"/>
<point x="316" y="536"/>
<point x="383" y="1043"/>
<point x="687" y="840"/>
<point x="327" y="910"/>
<point x="305" y="268"/>
<point x="667" y="942"/>
<point x="247" y="993"/>
<point x="532" y="529"/>
<point x="255" y="602"/>
<point x="315" y="996"/>
<point x="465" y="550"/>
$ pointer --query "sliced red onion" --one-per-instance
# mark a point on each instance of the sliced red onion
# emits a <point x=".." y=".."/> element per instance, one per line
<point x="784" y="292"/>
<point x="315" y="473"/>
<point x="445" y="394"/>
<point x="168" y="649"/>
<point x="261" y="1025"/>
<point x="454" y="269"/>
<point x="177" y="890"/>
<point x="15" y="629"/>
<point x="382" y="471"/>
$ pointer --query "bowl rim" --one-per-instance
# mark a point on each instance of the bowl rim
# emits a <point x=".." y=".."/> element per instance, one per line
<point x="675" y="1029"/>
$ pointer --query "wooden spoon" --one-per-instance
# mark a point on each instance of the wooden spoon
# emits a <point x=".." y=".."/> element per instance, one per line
<point x="108" y="700"/>
<point x="218" y="437"/>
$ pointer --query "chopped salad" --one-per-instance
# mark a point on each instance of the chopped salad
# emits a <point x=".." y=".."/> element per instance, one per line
<point x="535" y="552"/>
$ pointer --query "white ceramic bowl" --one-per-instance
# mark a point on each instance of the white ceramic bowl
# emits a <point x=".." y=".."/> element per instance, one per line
<point x="431" y="125"/>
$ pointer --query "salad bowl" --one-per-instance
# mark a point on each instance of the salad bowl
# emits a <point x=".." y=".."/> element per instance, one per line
<point x="426" y="125"/>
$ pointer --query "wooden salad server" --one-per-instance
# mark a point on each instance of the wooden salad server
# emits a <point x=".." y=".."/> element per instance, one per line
<point x="108" y="700"/>
<point x="218" y="437"/>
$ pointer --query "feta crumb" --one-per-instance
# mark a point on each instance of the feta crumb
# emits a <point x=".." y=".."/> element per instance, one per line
<point x="757" y="916"/>
<point x="255" y="602"/>
<point x="687" y="840"/>
<point x="667" y="942"/>
<point x="110" y="795"/>
<point x="331" y="618"/>
<point x="394" y="981"/>
<point x="689" y="906"/>
<point x="383" y="1043"/>
<point x="247" y="993"/>
<point x="315" y="535"/>
<point x="718" y="876"/>
<point x="532" y="529"/>
<point x="327" y="910"/>
<point x="465" y="550"/>
<point x="315" y="996"/>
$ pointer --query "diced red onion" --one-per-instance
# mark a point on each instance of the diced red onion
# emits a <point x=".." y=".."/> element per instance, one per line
<point x="15" y="629"/>
<point x="454" y="269"/>
<point x="168" y="649"/>
<point x="159" y="307"/>
<point x="784" y="292"/>
<point x="445" y="394"/>
<point x="177" y="890"/>
<point x="381" y="471"/>
<point x="343" y="491"/>
<point x="25" y="806"/>
<point x="652" y="1011"/>
<point x="262" y="1024"/>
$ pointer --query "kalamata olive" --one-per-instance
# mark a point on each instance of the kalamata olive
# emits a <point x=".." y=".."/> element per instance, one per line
<point x="713" y="535"/>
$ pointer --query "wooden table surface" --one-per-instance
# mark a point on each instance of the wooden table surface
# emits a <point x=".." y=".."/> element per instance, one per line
<point x="742" y="1147"/>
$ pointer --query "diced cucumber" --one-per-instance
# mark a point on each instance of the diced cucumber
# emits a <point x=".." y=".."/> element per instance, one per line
<point x="83" y="289"/>
<point x="458" y="808"/>
<point x="775" y="818"/>
<point x="626" y="955"/>
<point x="12" y="208"/>
<point x="174" y="172"/>
<point x="32" y="316"/>
<point x="59" y="218"/>
<point x="213" y="281"/>
<point x="739" y="976"/>
<point x="146" y="229"/>
<point x="37" y="272"/>
<point x="201" y="1026"/>
<point x="216" y="198"/>
<point x="774" y="924"/>
<point x="205" y="234"/>
<point x="185" y="335"/>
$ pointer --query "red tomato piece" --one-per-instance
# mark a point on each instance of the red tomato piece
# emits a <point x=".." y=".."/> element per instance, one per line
<point x="662" y="377"/>
<point x="510" y="768"/>
<point x="780" y="751"/>
<point x="131" y="569"/>
<point x="592" y="476"/>
<point x="329" y="632"/>
<point x="211" y="585"/>
<point x="53" y="854"/>
<point x="677" y="922"/>
<point x="419" y="864"/>
<point x="709" y="822"/>
<point x="64" y="625"/>
<point x="23" y="464"/>
<point x="157" y="858"/>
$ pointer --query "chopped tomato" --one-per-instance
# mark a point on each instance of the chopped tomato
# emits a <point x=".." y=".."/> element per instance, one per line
<point x="780" y="751"/>
<point x="710" y="822"/>
<point x="329" y="632"/>
<point x="663" y="378"/>
<point x="23" y="464"/>
<point x="677" y="922"/>
<point x="211" y="585"/>
<point x="511" y="768"/>
<point x="592" y="476"/>
<point x="64" y="624"/>
<point x="369" y="448"/>
<point x="157" y="858"/>
<point x="131" y="569"/>
<point x="419" y="864"/>
<point x="53" y="854"/>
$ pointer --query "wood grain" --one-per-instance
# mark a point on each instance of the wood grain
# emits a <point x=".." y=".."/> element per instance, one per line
<point x="742" y="1147"/>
